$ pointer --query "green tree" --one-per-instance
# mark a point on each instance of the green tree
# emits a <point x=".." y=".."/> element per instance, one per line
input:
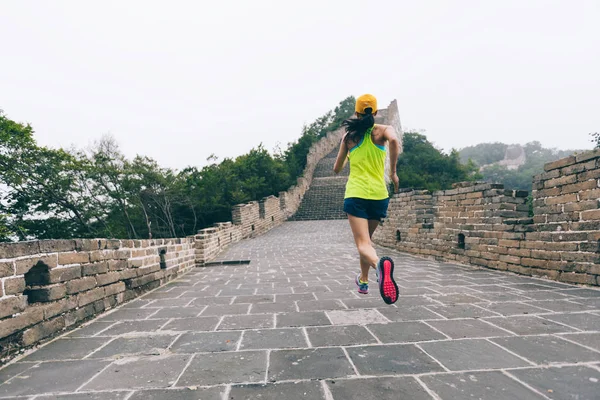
<point x="483" y="153"/>
<point x="422" y="166"/>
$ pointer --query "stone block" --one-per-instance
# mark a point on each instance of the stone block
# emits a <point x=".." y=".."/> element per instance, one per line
<point x="23" y="266"/>
<point x="56" y="246"/>
<point x="90" y="296"/>
<point x="94" y="268"/>
<point x="588" y="155"/>
<point x="7" y="268"/>
<point x="85" y="245"/>
<point x="58" y="275"/>
<point x="81" y="285"/>
<point x="108" y="278"/>
<point x="27" y="318"/>
<point x="579" y="187"/>
<point x="73" y="258"/>
<point x="572" y="277"/>
<point x="46" y="293"/>
<point x="563" y="199"/>
<point x="12" y="305"/>
<point x="43" y="330"/>
<point x="19" y="249"/>
<point x="590" y="215"/>
<point x="14" y="286"/>
<point x="565" y="162"/>
<point x="111" y="290"/>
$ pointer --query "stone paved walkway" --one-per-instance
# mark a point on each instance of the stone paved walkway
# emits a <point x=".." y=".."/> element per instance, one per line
<point x="290" y="326"/>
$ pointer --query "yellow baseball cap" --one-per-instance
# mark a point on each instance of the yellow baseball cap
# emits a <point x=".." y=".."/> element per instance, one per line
<point x="366" y="101"/>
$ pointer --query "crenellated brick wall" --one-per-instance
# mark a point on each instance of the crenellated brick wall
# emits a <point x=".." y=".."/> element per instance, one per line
<point x="487" y="225"/>
<point x="50" y="285"/>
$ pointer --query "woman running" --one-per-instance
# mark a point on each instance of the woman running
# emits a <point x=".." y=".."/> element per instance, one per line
<point x="366" y="199"/>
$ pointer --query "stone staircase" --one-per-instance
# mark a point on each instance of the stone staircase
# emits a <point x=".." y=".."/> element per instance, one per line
<point x="324" y="200"/>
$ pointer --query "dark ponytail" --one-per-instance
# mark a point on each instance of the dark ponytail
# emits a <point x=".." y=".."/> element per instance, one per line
<point x="357" y="127"/>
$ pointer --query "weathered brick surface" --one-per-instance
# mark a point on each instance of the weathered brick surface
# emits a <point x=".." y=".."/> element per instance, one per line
<point x="12" y="305"/>
<point x="24" y="265"/>
<point x="74" y="280"/>
<point x="561" y="241"/>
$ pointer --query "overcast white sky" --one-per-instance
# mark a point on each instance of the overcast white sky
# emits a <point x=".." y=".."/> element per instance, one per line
<point x="179" y="80"/>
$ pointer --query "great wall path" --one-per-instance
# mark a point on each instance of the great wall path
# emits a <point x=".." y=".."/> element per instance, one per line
<point x="290" y="325"/>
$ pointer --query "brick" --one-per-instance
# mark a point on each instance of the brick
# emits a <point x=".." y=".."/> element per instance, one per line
<point x="108" y="278"/>
<point x="580" y="257"/>
<point x="590" y="195"/>
<point x="12" y="305"/>
<point x="58" y="275"/>
<point x="531" y="262"/>
<point x="587" y="175"/>
<point x="56" y="246"/>
<point x="565" y="162"/>
<point x="519" y="252"/>
<point x="94" y="269"/>
<point x="23" y="266"/>
<point x="81" y="285"/>
<point x="563" y="199"/>
<point x="509" y="243"/>
<point x="579" y="187"/>
<point x="73" y="258"/>
<point x="135" y="263"/>
<point x="555" y="191"/>
<point x="115" y="288"/>
<point x="14" y="285"/>
<point x="19" y="249"/>
<point x="588" y="155"/>
<point x="510" y="259"/>
<point x="10" y="326"/>
<point x="58" y="307"/>
<point x="85" y="245"/>
<point x="571" y="277"/>
<point x="545" y="255"/>
<point x="569" y="236"/>
<point x="586" y="226"/>
<point x="90" y="296"/>
<point x="43" y="330"/>
<point x="544" y="176"/>
<point x="590" y="215"/>
<point x="7" y="268"/>
<point x="46" y="293"/>
<point x="581" y="206"/>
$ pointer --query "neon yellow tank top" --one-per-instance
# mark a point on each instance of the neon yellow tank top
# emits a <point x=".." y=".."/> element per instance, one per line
<point x="367" y="170"/>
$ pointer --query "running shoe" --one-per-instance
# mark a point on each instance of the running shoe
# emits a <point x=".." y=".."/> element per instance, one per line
<point x="385" y="278"/>
<point x="363" y="287"/>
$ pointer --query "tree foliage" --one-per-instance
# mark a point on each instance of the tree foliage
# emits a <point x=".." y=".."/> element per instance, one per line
<point x="521" y="178"/>
<point x="483" y="153"/>
<point x="423" y="166"/>
<point x="50" y="193"/>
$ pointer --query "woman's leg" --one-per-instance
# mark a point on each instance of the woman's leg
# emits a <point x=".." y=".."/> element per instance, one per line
<point x="373" y="224"/>
<point x="362" y="238"/>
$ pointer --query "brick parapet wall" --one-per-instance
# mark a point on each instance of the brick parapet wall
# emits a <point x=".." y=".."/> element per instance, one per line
<point x="560" y="242"/>
<point x="48" y="286"/>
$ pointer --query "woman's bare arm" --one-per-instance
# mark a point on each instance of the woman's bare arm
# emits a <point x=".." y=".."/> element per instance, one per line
<point x="341" y="157"/>
<point x="394" y="145"/>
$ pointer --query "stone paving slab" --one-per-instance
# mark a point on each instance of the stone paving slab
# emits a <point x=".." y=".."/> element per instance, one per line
<point x="290" y="325"/>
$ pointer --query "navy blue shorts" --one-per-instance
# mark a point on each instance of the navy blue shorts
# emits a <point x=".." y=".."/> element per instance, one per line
<point x="368" y="209"/>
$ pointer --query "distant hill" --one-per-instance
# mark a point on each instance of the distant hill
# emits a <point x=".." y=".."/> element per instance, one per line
<point x="511" y="164"/>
